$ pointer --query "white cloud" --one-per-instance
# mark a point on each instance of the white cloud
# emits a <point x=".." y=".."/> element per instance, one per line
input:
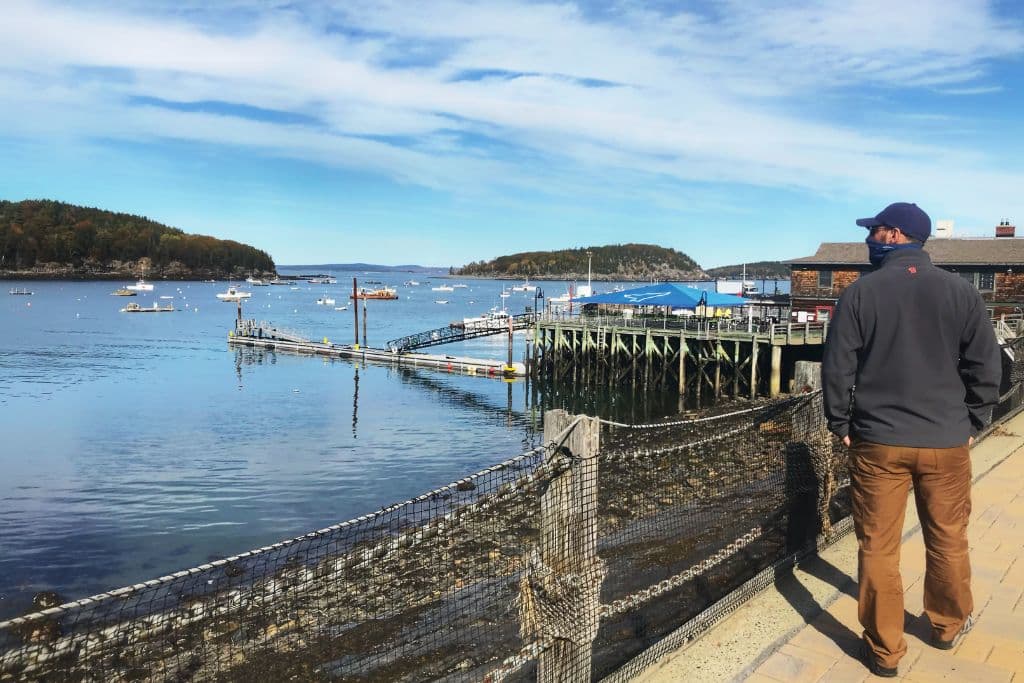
<point x="713" y="97"/>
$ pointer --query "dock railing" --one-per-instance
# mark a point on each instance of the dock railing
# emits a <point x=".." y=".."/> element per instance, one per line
<point x="576" y="560"/>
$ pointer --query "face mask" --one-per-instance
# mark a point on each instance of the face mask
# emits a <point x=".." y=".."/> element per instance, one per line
<point x="877" y="251"/>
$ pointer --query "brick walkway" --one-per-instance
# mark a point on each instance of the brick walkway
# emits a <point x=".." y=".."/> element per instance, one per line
<point x="823" y="645"/>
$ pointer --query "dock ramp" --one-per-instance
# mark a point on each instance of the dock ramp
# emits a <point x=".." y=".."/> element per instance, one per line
<point x="448" y="335"/>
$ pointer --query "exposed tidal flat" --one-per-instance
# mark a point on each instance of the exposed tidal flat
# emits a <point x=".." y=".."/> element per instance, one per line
<point x="134" y="446"/>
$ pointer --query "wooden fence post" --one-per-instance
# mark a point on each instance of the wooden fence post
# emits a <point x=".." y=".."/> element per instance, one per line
<point x="568" y="544"/>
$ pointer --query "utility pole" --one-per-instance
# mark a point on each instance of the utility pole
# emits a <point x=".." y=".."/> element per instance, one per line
<point x="355" y="309"/>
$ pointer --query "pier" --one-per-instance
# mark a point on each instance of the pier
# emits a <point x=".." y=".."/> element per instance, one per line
<point x="264" y="335"/>
<point x="704" y="358"/>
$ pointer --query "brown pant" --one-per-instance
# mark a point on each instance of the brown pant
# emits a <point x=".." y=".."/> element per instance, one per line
<point x="880" y="477"/>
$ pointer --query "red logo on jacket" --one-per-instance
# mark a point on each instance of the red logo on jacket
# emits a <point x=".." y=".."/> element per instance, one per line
<point x="912" y="270"/>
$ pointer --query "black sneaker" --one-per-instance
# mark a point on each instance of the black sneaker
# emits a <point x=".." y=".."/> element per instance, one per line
<point x="950" y="644"/>
<point x="868" y="657"/>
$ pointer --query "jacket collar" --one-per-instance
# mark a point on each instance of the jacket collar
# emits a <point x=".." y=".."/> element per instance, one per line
<point x="902" y="256"/>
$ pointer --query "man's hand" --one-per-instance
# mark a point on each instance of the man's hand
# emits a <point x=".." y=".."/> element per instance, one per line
<point x="970" y="441"/>
<point x="846" y="440"/>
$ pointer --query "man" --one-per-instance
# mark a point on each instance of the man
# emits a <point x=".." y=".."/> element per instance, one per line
<point x="910" y="374"/>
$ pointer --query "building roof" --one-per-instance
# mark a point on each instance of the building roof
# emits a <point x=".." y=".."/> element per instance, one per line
<point x="944" y="252"/>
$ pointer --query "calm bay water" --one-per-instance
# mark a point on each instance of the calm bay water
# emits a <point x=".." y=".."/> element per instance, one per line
<point x="137" y="445"/>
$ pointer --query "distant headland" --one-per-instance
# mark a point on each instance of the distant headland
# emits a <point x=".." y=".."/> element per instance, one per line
<point x="44" y="239"/>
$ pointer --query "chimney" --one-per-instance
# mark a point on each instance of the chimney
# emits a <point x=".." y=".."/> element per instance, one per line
<point x="1005" y="229"/>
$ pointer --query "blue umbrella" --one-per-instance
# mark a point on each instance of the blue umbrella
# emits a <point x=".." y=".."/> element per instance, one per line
<point x="664" y="294"/>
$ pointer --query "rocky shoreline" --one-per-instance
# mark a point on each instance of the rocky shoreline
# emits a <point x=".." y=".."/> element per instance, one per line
<point x="126" y="270"/>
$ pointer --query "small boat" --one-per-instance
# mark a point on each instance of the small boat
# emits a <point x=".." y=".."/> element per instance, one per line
<point x="504" y="294"/>
<point x="256" y="282"/>
<point x="440" y="301"/>
<point x="141" y="286"/>
<point x="460" y="286"/>
<point x="124" y="291"/>
<point x="525" y="287"/>
<point x="279" y="281"/>
<point x="412" y="283"/>
<point x="166" y="297"/>
<point x="387" y="293"/>
<point x="322" y="281"/>
<point x="442" y="288"/>
<point x="19" y="292"/>
<point x="325" y="301"/>
<point x="135" y="308"/>
<point x="341" y="308"/>
<point x="233" y="294"/>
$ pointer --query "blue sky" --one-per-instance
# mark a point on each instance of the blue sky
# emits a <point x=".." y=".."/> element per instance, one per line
<point x="447" y="131"/>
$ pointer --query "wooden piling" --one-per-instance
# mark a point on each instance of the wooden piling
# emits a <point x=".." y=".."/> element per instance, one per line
<point x="568" y="541"/>
<point x="736" y="370"/>
<point x="753" y="371"/>
<point x="355" y="310"/>
<point x="775" y="385"/>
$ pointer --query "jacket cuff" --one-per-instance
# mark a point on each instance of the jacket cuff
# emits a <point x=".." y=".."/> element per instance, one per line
<point x="841" y="429"/>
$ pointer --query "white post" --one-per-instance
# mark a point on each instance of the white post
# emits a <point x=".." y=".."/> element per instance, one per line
<point x="590" y="288"/>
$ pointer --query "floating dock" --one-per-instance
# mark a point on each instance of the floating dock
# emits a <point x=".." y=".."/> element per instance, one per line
<point x="262" y="335"/>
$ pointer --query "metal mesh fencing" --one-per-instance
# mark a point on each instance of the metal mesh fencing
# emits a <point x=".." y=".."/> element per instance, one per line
<point x="420" y="590"/>
<point x="561" y="564"/>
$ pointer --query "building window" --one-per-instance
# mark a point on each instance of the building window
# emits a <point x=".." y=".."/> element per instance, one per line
<point x="984" y="282"/>
<point x="825" y="279"/>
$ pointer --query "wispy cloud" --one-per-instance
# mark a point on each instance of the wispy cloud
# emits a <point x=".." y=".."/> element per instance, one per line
<point x="558" y="98"/>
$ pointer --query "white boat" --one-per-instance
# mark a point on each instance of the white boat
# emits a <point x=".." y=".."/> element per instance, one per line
<point x="440" y="301"/>
<point x="141" y="286"/>
<point x="412" y="283"/>
<point x="504" y="294"/>
<point x="460" y="286"/>
<point x="494" y="319"/>
<point x="325" y="301"/>
<point x="341" y="308"/>
<point x="233" y="294"/>
<point x="166" y="297"/>
<point x="20" y="292"/>
<point x="525" y="287"/>
<point x="442" y="288"/>
<point x="256" y="282"/>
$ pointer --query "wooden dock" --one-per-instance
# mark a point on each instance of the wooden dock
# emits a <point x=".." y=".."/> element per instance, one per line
<point x="265" y="336"/>
<point x="702" y="358"/>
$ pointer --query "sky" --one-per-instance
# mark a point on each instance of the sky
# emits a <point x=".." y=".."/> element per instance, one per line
<point x="443" y="132"/>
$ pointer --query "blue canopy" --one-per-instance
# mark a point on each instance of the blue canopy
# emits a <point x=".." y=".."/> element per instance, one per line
<point x="665" y="294"/>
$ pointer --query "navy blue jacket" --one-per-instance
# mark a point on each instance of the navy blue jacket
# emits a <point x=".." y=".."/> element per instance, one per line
<point x="911" y="358"/>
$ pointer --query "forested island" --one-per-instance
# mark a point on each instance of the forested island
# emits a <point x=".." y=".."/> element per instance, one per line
<point x="610" y="262"/>
<point x="50" y="239"/>
<point x="766" y="270"/>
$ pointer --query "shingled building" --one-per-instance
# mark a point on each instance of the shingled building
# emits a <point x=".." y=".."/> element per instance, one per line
<point x="995" y="265"/>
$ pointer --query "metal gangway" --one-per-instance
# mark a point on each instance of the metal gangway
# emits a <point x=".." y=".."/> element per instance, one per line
<point x="447" y="335"/>
<point x="265" y="330"/>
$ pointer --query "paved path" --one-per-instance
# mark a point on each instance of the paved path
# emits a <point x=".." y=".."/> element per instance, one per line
<point x="805" y="628"/>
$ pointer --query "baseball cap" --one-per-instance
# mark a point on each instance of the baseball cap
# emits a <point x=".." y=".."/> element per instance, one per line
<point x="909" y="218"/>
